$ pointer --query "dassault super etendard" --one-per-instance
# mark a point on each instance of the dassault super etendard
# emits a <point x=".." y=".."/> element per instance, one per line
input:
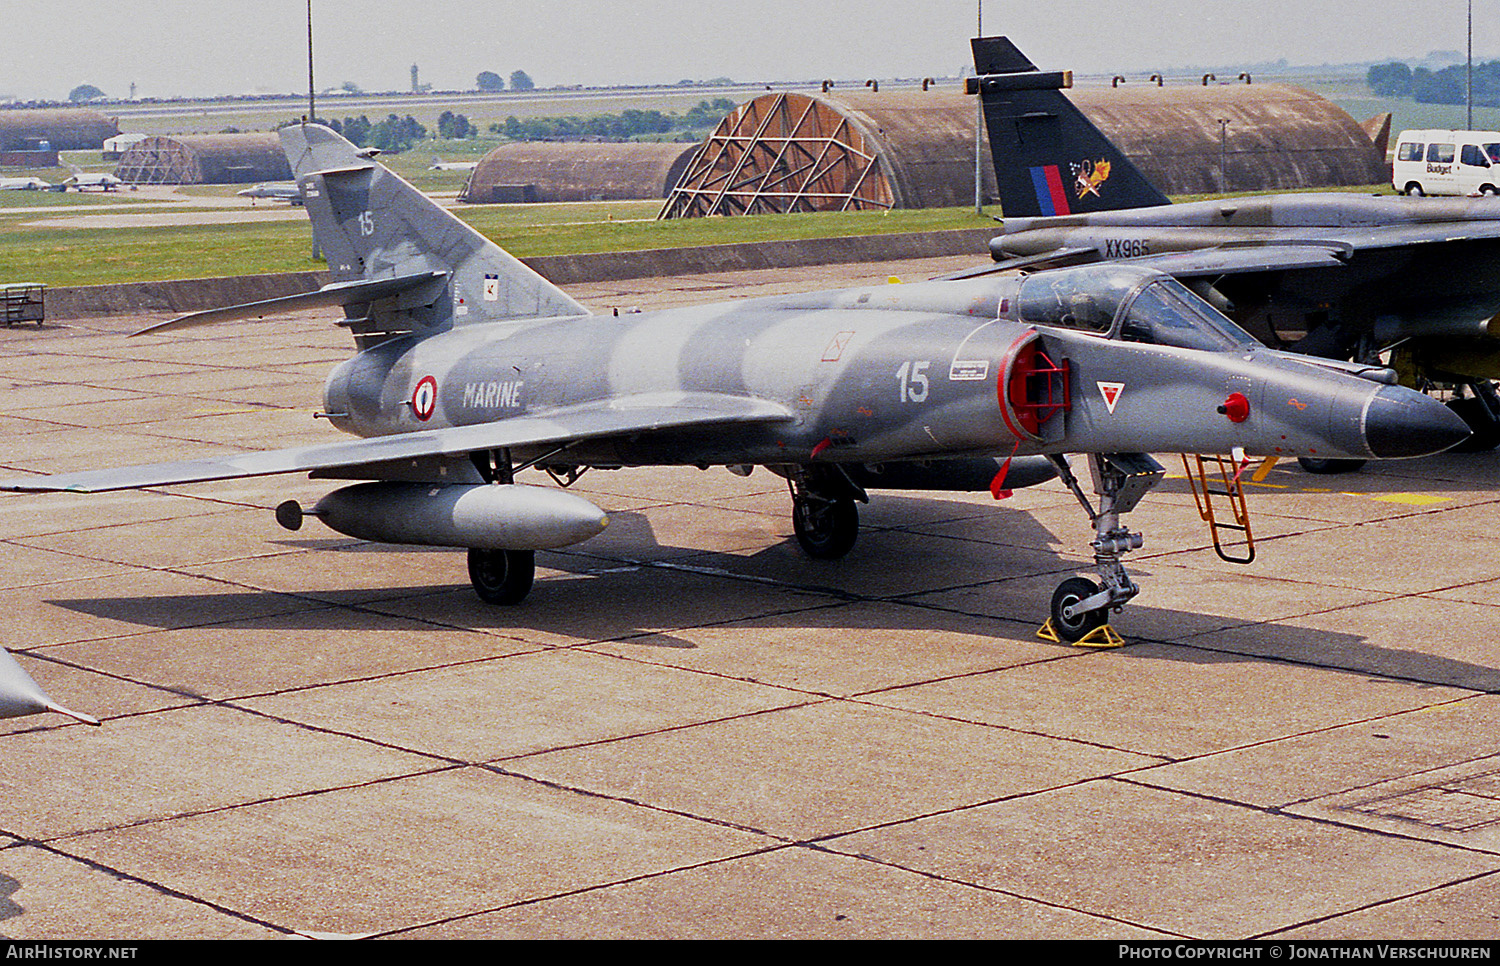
<point x="470" y="368"/>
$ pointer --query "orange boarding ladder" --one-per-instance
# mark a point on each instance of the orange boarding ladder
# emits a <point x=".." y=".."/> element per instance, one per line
<point x="1220" y="496"/>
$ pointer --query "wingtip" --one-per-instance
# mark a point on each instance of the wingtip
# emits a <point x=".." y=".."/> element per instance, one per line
<point x="21" y="696"/>
<point x="87" y="719"/>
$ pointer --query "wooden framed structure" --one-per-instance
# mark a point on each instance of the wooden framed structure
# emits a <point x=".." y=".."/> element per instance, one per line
<point x="781" y="153"/>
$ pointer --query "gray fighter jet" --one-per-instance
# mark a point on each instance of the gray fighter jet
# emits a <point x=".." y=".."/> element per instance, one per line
<point x="471" y="367"/>
<point x="82" y="180"/>
<point x="287" y="191"/>
<point x="1329" y="274"/>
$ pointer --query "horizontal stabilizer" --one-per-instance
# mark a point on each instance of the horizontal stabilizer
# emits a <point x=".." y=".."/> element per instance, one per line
<point x="337" y="293"/>
<point x="1250" y="258"/>
<point x="628" y="415"/>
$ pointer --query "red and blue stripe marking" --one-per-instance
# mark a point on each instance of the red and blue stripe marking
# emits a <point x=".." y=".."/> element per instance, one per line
<point x="1050" y="195"/>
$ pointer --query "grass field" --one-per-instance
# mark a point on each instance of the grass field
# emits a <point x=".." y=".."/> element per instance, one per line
<point x="94" y="256"/>
<point x="27" y="202"/>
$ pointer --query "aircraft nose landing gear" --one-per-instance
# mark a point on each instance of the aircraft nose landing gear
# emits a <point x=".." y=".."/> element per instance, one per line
<point x="1069" y="621"/>
<point x="1081" y="606"/>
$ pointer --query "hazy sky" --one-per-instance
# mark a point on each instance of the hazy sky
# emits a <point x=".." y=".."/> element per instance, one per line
<point x="181" y="47"/>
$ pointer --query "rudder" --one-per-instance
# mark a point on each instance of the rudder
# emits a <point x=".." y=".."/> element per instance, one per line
<point x="371" y="225"/>
<point x="1049" y="158"/>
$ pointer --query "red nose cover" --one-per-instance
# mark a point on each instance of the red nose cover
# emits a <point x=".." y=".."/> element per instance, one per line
<point x="1236" y="407"/>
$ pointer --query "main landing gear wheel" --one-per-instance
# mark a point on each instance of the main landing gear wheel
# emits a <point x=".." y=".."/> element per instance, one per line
<point x="1486" y="432"/>
<point x="1325" y="467"/>
<point x="1071" y="591"/>
<point x="502" y="576"/>
<point x="825" y="528"/>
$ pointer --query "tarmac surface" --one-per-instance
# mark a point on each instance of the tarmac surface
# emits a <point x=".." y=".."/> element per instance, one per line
<point x="164" y="206"/>
<point x="689" y="729"/>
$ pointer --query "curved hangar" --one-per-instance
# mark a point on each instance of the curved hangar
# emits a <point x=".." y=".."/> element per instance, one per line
<point x="204" y="159"/>
<point x="863" y="150"/>
<point x="577" y="171"/>
<point x="1277" y="136"/>
<point x="65" y="129"/>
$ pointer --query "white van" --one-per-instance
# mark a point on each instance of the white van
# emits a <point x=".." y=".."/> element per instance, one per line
<point x="1447" y="163"/>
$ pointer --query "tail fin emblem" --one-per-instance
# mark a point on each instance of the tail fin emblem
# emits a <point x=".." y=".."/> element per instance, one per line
<point x="1089" y="175"/>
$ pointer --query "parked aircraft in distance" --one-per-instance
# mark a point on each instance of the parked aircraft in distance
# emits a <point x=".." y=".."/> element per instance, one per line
<point x="24" y="184"/>
<point x="471" y="368"/>
<point x="86" y="180"/>
<point x="438" y="164"/>
<point x="275" y="190"/>
<point x="1329" y="274"/>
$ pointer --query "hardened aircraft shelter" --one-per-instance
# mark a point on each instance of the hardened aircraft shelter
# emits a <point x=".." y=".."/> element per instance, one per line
<point x="869" y="149"/>
<point x="205" y="159"/>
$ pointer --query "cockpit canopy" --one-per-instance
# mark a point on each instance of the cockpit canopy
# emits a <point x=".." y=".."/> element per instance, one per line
<point x="1130" y="303"/>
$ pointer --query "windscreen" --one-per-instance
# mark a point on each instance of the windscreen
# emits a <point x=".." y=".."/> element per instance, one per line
<point x="1086" y="298"/>
<point x="1168" y="313"/>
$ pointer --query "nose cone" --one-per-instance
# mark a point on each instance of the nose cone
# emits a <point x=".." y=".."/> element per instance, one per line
<point x="1400" y="423"/>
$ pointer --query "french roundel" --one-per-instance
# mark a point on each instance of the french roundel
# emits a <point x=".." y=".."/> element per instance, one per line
<point x="424" y="398"/>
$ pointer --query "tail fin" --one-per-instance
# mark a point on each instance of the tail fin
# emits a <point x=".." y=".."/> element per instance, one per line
<point x="1049" y="158"/>
<point x="374" y="227"/>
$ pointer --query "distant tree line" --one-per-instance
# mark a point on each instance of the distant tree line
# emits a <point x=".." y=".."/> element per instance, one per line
<point x="488" y="80"/>
<point x="1446" y="86"/>
<point x="392" y="135"/>
<point x="625" y="126"/>
<point x="455" y="126"/>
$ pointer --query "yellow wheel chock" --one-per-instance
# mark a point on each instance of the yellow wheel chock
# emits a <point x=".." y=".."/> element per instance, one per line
<point x="1101" y="637"/>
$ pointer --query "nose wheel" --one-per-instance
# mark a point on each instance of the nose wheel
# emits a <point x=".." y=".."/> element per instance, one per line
<point x="1070" y="621"/>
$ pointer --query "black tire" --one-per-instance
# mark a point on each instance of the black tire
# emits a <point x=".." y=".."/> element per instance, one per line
<point x="1489" y="189"/>
<point x="1071" y="591"/>
<point x="1413" y="189"/>
<point x="1486" y="434"/>
<point x="1327" y="467"/>
<point x="826" y="529"/>
<point x="502" y="576"/>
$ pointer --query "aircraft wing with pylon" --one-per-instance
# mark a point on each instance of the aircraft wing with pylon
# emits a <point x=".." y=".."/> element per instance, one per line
<point x="630" y="415"/>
